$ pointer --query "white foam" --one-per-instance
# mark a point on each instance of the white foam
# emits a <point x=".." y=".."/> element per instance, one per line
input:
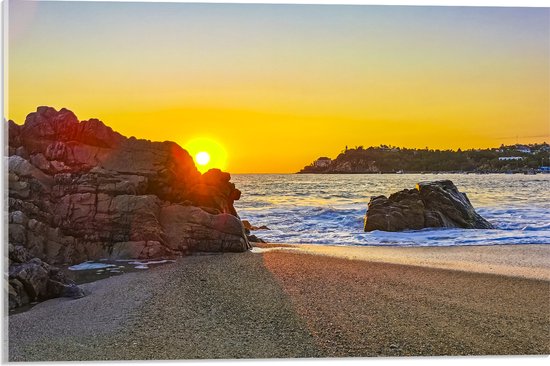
<point x="330" y="209"/>
<point x="89" y="265"/>
<point x="151" y="262"/>
<point x="145" y="264"/>
<point x="263" y="250"/>
<point x="259" y="250"/>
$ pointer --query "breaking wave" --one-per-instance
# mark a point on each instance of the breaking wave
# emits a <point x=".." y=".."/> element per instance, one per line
<point x="330" y="209"/>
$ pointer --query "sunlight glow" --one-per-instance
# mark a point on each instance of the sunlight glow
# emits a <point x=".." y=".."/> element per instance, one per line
<point x="207" y="153"/>
<point x="202" y="158"/>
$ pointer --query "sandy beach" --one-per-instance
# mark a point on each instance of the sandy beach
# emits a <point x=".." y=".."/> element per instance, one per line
<point x="286" y="301"/>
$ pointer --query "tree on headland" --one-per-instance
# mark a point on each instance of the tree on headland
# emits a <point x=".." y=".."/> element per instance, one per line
<point x="388" y="159"/>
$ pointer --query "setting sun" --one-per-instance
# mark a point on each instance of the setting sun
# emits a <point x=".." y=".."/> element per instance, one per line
<point x="207" y="153"/>
<point x="202" y="158"/>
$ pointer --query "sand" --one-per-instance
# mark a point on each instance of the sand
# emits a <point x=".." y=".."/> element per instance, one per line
<point x="287" y="302"/>
<point x="528" y="261"/>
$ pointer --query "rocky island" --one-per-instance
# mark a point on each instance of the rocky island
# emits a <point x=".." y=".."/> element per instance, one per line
<point x="80" y="191"/>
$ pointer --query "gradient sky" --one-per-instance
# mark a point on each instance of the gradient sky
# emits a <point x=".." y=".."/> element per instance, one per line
<point x="280" y="85"/>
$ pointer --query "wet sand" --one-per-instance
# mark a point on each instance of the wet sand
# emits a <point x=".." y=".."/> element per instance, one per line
<point x="285" y="303"/>
<point x="528" y="261"/>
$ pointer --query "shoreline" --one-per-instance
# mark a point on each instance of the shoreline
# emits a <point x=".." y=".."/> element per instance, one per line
<point x="285" y="302"/>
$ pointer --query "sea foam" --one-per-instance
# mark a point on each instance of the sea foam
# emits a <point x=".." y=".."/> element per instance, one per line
<point x="330" y="209"/>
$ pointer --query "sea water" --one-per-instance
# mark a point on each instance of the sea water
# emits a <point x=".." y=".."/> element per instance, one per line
<point x="90" y="271"/>
<point x="330" y="209"/>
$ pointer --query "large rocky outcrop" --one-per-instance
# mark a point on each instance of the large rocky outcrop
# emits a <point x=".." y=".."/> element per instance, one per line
<point x="430" y="204"/>
<point x="80" y="191"/>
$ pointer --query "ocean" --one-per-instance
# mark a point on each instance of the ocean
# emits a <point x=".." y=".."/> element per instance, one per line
<point x="330" y="209"/>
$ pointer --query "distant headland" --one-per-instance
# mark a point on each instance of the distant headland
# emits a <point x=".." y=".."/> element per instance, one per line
<point x="529" y="159"/>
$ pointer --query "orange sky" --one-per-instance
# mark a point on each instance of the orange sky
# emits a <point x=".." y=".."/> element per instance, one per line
<point x="275" y="87"/>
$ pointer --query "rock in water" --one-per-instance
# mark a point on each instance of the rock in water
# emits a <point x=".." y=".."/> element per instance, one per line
<point x="430" y="204"/>
<point x="248" y="226"/>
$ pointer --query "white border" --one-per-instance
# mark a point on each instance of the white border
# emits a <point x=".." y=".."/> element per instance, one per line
<point x="413" y="361"/>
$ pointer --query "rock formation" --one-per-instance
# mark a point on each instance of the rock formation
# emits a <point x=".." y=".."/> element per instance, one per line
<point x="248" y="228"/>
<point x="31" y="279"/>
<point x="431" y="204"/>
<point x="80" y="191"/>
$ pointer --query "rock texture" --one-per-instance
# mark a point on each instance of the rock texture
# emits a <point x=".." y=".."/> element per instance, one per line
<point x="31" y="279"/>
<point x="248" y="228"/>
<point x="430" y="204"/>
<point x="81" y="191"/>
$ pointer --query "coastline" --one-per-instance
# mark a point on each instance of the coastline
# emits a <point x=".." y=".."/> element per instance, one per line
<point x="310" y="301"/>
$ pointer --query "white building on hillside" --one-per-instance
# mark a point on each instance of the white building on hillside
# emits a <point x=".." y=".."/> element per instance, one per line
<point x="511" y="158"/>
<point x="523" y="149"/>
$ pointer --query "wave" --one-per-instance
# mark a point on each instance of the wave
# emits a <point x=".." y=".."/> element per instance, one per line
<point x="331" y="209"/>
<point x="536" y="227"/>
<point x="330" y="225"/>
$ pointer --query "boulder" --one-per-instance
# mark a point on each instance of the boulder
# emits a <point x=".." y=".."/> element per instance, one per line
<point x="30" y="279"/>
<point x="255" y="239"/>
<point x="250" y="227"/>
<point x="430" y="204"/>
<point x="188" y="227"/>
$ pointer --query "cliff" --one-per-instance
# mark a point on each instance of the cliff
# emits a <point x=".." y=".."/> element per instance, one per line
<point x="80" y="191"/>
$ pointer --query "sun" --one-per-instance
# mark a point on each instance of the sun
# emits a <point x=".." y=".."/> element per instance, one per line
<point x="202" y="158"/>
<point x="207" y="153"/>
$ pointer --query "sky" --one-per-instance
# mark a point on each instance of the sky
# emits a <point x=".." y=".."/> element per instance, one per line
<point x="269" y="88"/>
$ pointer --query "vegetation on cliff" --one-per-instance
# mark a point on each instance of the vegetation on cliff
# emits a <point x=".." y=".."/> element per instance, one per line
<point x="391" y="159"/>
